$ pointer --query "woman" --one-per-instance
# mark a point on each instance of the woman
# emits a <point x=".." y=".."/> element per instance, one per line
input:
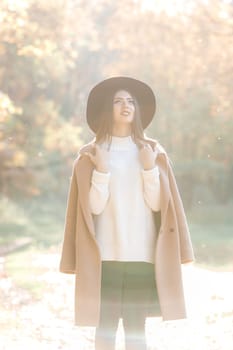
<point x="126" y="233"/>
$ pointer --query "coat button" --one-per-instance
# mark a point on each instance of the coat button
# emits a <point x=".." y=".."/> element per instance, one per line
<point x="172" y="229"/>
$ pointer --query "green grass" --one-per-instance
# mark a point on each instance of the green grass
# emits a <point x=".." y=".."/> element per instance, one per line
<point x="213" y="245"/>
<point x="43" y="220"/>
<point x="25" y="272"/>
<point x="212" y="235"/>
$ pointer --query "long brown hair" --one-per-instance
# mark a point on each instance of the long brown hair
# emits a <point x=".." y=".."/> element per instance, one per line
<point x="104" y="132"/>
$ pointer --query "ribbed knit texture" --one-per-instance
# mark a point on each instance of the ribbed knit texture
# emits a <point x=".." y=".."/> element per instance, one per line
<point x="122" y="202"/>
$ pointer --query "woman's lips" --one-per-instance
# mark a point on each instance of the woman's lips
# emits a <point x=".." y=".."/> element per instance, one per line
<point x="125" y="113"/>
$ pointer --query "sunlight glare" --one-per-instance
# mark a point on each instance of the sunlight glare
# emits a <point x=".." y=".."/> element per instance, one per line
<point x="171" y="7"/>
<point x="15" y="4"/>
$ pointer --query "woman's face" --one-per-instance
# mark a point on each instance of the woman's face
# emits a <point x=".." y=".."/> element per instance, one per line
<point x="123" y="108"/>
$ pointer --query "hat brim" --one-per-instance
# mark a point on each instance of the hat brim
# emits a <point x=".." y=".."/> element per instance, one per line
<point x="97" y="96"/>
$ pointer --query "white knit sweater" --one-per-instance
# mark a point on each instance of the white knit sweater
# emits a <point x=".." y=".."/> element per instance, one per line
<point x="122" y="202"/>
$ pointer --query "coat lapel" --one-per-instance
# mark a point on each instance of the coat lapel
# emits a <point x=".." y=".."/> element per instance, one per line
<point x="84" y="175"/>
<point x="164" y="183"/>
<point x="162" y="162"/>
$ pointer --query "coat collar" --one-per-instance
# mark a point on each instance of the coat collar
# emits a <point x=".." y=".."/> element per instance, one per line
<point x="152" y="142"/>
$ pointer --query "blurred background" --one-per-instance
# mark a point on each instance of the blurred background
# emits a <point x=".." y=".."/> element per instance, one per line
<point x="52" y="52"/>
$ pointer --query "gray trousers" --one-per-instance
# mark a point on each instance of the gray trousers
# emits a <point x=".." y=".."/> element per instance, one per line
<point x="128" y="291"/>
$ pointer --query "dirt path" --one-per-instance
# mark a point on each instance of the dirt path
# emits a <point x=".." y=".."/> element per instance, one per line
<point x="47" y="323"/>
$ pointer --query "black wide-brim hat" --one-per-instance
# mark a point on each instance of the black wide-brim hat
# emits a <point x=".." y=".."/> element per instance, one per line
<point x="100" y="92"/>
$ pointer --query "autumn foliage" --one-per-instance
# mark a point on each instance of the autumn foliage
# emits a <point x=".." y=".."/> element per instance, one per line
<point x="52" y="52"/>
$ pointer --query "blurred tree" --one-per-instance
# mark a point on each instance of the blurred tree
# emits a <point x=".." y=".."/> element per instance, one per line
<point x="186" y="57"/>
<point x="35" y="58"/>
<point x="52" y="52"/>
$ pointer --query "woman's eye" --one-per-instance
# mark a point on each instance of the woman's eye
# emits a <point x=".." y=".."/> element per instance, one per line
<point x="121" y="102"/>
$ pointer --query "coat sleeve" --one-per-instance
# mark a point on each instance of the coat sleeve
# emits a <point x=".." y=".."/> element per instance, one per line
<point x="186" y="249"/>
<point x="67" y="262"/>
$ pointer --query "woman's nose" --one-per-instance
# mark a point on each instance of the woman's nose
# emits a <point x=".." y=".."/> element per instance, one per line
<point x="125" y="103"/>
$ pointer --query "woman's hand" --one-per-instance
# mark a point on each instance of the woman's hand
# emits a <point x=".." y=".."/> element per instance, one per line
<point x="147" y="156"/>
<point x="99" y="157"/>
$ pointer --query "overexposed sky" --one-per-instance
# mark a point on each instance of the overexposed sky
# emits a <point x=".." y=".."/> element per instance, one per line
<point x="172" y="7"/>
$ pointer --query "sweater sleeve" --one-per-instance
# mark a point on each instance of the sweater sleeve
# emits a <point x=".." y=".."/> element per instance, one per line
<point x="151" y="184"/>
<point x="99" y="191"/>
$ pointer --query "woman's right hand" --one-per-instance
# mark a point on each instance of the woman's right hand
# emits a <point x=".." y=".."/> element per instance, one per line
<point x="99" y="157"/>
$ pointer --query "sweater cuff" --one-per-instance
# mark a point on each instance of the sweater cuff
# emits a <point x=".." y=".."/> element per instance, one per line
<point x="150" y="175"/>
<point x="100" y="178"/>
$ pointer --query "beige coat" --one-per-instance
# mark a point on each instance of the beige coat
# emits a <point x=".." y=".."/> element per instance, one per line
<point x="81" y="256"/>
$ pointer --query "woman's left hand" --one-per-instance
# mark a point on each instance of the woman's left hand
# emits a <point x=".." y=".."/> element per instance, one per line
<point x="147" y="156"/>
